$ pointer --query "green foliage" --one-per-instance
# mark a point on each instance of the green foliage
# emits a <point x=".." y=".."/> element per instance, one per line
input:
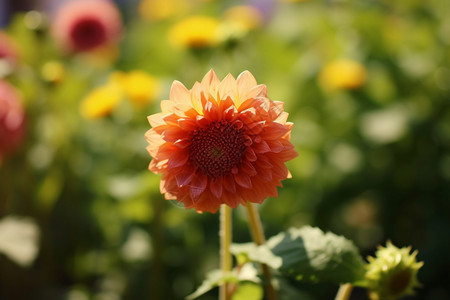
<point x="308" y="254"/>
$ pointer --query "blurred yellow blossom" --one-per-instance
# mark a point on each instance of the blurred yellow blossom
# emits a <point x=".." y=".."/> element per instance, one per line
<point x="101" y="101"/>
<point x="53" y="71"/>
<point x="195" y="32"/>
<point x="156" y="10"/>
<point x="342" y="74"/>
<point x="245" y="15"/>
<point x="140" y="87"/>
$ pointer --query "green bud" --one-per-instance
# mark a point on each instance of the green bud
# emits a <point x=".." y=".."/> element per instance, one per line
<point x="392" y="273"/>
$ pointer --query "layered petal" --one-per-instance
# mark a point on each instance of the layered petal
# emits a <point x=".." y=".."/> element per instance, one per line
<point x="222" y="142"/>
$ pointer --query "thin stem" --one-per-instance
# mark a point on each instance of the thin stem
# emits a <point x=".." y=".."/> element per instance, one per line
<point x="344" y="291"/>
<point x="258" y="237"/>
<point x="225" y="254"/>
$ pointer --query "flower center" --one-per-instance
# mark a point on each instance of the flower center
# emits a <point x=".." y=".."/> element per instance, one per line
<point x="217" y="149"/>
<point x="88" y="33"/>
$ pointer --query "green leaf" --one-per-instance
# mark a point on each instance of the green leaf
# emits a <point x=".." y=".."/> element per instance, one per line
<point x="260" y="254"/>
<point x="215" y="278"/>
<point x="310" y="254"/>
<point x="307" y="254"/>
<point x="248" y="291"/>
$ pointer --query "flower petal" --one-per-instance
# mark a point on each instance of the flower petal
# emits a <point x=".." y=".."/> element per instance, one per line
<point x="184" y="178"/>
<point x="227" y="88"/>
<point x="178" y="158"/>
<point x="210" y="80"/>
<point x="216" y="187"/>
<point x="197" y="186"/>
<point x="261" y="147"/>
<point x="179" y="93"/>
<point x="229" y="183"/>
<point x="243" y="180"/>
<point x="245" y="81"/>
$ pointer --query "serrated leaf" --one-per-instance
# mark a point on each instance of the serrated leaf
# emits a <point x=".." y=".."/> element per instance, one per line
<point x="215" y="278"/>
<point x="255" y="253"/>
<point x="310" y="254"/>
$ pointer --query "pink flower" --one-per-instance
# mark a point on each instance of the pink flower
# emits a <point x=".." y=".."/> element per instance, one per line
<point x="83" y="25"/>
<point x="222" y="142"/>
<point x="12" y="119"/>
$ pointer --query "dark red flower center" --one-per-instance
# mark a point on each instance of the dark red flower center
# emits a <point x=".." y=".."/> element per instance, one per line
<point x="88" y="33"/>
<point x="217" y="149"/>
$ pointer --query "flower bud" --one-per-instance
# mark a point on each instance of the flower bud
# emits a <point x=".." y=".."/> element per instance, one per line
<point x="392" y="273"/>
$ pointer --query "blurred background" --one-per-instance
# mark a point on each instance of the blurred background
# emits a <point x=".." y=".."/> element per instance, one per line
<point x="366" y="83"/>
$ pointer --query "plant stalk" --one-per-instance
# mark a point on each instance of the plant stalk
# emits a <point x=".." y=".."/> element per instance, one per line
<point x="344" y="291"/>
<point x="256" y="229"/>
<point x="225" y="254"/>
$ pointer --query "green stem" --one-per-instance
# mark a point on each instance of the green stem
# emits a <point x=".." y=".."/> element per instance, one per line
<point x="225" y="254"/>
<point x="258" y="237"/>
<point x="344" y="291"/>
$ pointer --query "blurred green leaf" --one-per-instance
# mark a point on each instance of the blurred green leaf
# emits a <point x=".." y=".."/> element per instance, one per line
<point x="248" y="291"/>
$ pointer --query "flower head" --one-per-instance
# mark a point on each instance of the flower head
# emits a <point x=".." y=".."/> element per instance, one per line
<point x="101" y="101"/>
<point x="195" y="32"/>
<point x="84" y="25"/>
<point x="140" y="87"/>
<point x="392" y="273"/>
<point x="343" y="74"/>
<point x="12" y="119"/>
<point x="156" y="10"/>
<point x="222" y="142"/>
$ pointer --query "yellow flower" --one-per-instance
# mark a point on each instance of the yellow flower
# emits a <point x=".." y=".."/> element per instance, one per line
<point x="342" y="74"/>
<point x="155" y="10"/>
<point x="140" y="87"/>
<point x="53" y="71"/>
<point x="101" y="101"/>
<point x="245" y="15"/>
<point x="194" y="32"/>
<point x="392" y="273"/>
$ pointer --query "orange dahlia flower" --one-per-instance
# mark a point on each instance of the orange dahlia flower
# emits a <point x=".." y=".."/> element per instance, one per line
<point x="83" y="25"/>
<point x="222" y="142"/>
